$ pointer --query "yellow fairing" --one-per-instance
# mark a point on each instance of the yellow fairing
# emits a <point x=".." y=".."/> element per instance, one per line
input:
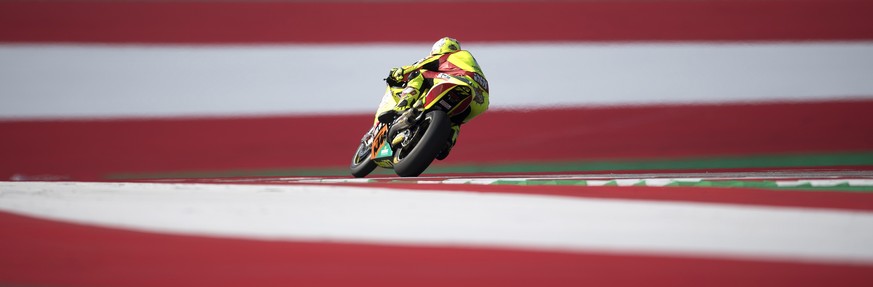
<point x="478" y="104"/>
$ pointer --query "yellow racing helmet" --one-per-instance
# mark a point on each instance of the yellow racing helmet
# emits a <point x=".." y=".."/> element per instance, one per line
<point x="445" y="45"/>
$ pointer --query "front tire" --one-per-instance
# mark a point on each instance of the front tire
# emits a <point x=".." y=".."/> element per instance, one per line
<point x="437" y="129"/>
<point x="362" y="164"/>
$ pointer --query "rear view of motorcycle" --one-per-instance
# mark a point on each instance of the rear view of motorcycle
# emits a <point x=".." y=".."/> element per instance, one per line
<point x="411" y="142"/>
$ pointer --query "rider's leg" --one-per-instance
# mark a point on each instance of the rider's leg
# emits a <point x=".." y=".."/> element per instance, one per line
<point x="477" y="106"/>
<point x="408" y="97"/>
<point x="456" y="130"/>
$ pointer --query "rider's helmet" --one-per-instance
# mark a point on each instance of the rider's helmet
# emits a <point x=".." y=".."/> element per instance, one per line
<point x="445" y="45"/>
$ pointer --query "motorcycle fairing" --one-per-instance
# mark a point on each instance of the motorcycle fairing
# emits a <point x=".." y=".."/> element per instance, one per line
<point x="380" y="151"/>
<point x="454" y="103"/>
<point x="385" y="156"/>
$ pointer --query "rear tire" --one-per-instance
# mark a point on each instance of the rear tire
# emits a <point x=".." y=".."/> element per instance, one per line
<point x="432" y="142"/>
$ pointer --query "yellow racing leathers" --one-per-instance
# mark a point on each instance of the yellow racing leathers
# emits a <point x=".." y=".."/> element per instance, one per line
<point x="419" y="79"/>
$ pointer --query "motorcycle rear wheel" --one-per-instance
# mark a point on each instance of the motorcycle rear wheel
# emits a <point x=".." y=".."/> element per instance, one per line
<point x="435" y="130"/>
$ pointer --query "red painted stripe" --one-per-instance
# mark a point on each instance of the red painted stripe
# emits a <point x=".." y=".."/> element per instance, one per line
<point x="92" y="149"/>
<point x="331" y="22"/>
<point x="49" y="253"/>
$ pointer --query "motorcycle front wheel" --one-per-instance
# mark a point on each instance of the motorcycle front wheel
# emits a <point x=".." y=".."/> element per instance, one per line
<point x="362" y="165"/>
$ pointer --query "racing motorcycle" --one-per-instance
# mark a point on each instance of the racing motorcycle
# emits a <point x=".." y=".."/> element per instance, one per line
<point x="411" y="142"/>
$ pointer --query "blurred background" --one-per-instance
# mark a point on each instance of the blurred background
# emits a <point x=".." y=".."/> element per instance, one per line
<point x="103" y="90"/>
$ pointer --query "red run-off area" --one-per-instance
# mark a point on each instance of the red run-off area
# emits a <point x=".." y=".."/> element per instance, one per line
<point x="91" y="150"/>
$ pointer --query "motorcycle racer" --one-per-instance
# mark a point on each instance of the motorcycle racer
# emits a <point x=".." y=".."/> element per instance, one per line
<point x="446" y="57"/>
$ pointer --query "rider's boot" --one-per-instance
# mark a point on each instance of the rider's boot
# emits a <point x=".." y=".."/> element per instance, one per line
<point x="456" y="129"/>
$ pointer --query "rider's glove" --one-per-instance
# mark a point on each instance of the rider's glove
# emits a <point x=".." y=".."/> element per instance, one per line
<point x="395" y="77"/>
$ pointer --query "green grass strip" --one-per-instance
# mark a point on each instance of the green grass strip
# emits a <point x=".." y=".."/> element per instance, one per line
<point x="765" y="161"/>
<point x="766" y="184"/>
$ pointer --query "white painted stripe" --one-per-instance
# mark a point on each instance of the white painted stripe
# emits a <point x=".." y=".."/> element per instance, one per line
<point x="599" y="182"/>
<point x="51" y="81"/>
<point x="391" y="216"/>
<point x="860" y="182"/>
<point x="658" y="181"/>
<point x="627" y="182"/>
<point x="827" y="182"/>
<point x="476" y="180"/>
